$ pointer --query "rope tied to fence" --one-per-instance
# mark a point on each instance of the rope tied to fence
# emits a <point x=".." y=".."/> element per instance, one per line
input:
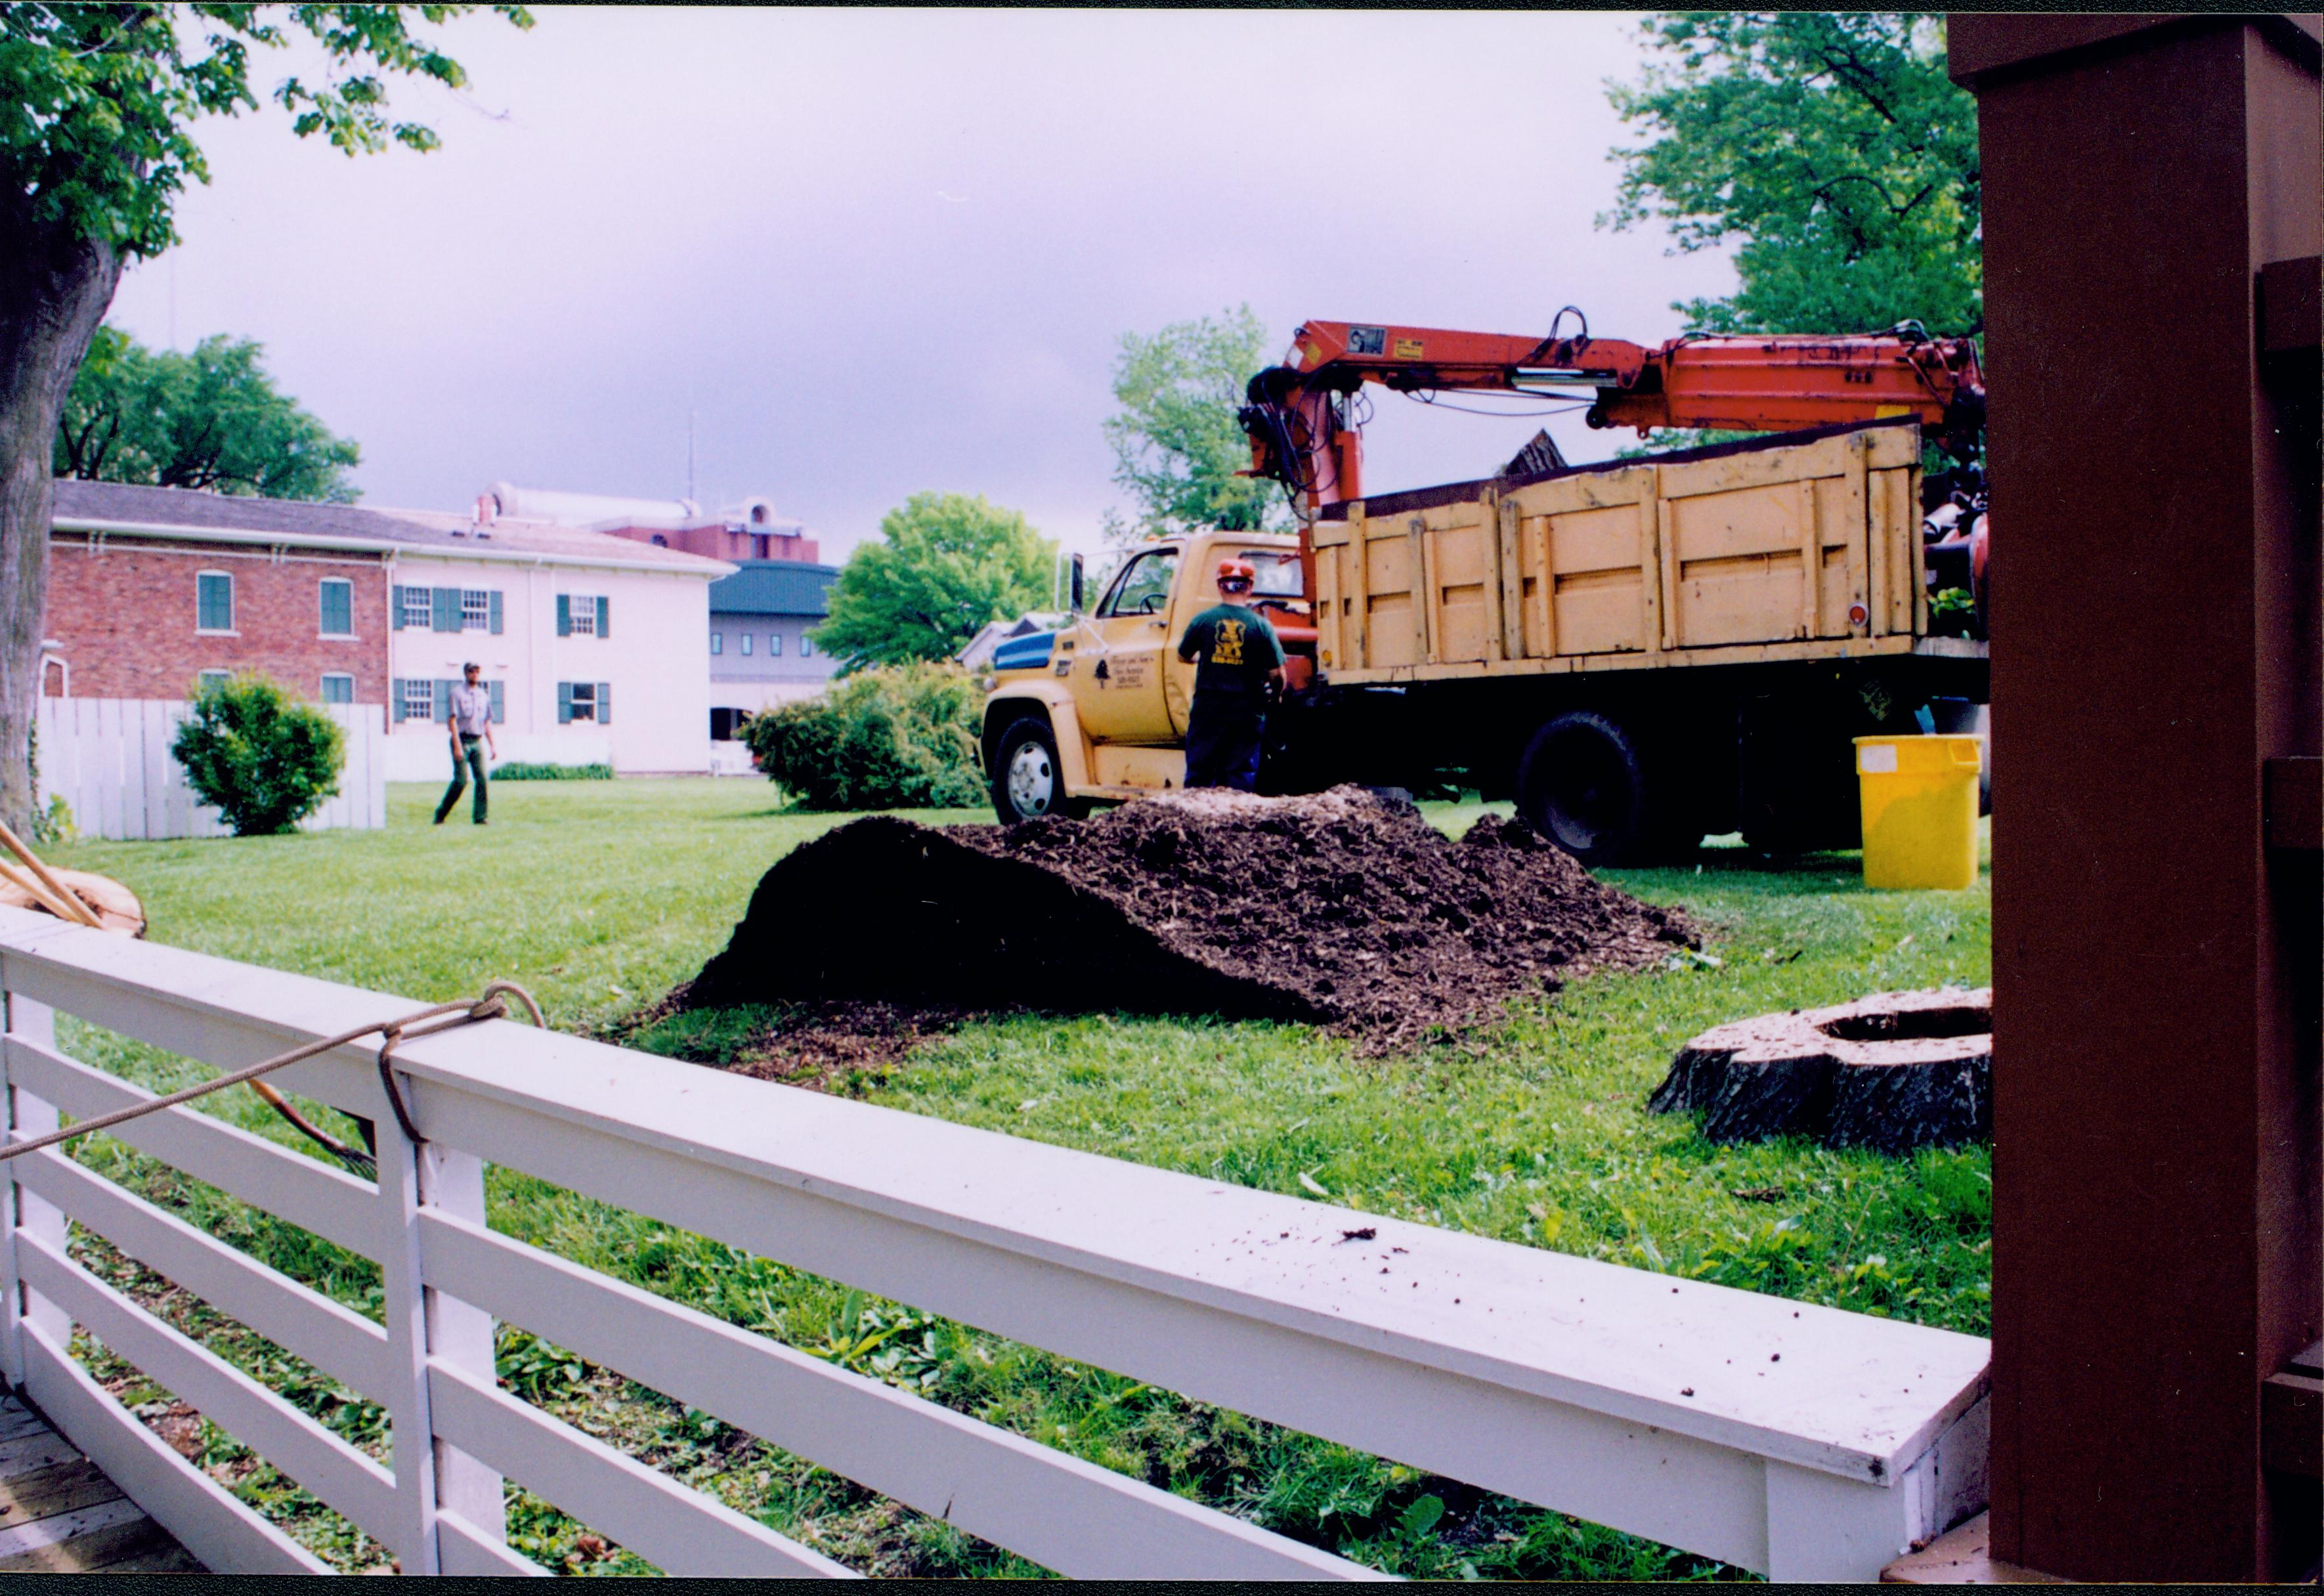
<point x="492" y="1003"/>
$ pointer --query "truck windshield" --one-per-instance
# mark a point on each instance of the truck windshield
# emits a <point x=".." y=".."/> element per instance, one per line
<point x="1278" y="572"/>
<point x="1144" y="587"/>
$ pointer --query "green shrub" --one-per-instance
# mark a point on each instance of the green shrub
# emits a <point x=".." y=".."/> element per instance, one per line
<point x="892" y="737"/>
<point x="264" y="759"/>
<point x="518" y="771"/>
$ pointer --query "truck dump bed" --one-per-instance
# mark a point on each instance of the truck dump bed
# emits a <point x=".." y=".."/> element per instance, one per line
<point x="1759" y="550"/>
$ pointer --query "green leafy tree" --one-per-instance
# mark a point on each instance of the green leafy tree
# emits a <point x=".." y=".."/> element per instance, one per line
<point x="211" y="419"/>
<point x="266" y="760"/>
<point x="892" y="737"/>
<point x="1829" y="147"/>
<point x="946" y="565"/>
<point x="1177" y="444"/>
<point x="97" y="108"/>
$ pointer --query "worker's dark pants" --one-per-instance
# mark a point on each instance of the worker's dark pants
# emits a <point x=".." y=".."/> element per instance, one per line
<point x="468" y="754"/>
<point x="1222" y="742"/>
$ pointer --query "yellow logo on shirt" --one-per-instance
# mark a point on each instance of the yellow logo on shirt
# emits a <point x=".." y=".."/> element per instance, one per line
<point x="1226" y="643"/>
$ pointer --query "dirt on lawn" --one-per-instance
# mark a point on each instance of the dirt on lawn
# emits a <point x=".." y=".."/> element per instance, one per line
<point x="1345" y="910"/>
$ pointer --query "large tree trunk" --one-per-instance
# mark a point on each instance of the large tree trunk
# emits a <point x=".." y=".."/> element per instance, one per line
<point x="54" y="288"/>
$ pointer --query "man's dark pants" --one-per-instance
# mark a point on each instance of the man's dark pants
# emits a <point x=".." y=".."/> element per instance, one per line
<point x="1222" y="736"/>
<point x="468" y="754"/>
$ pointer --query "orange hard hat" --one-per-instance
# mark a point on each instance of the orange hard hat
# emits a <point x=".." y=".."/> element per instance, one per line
<point x="1237" y="570"/>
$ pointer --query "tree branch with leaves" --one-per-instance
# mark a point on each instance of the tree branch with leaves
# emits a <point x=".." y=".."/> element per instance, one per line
<point x="1830" y="148"/>
<point x="97" y="106"/>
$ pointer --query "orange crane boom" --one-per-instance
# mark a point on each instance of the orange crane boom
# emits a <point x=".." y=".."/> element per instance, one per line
<point x="1300" y="433"/>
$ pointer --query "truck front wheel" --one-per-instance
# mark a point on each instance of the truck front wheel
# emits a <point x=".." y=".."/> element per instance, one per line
<point x="1581" y="785"/>
<point x="1027" y="781"/>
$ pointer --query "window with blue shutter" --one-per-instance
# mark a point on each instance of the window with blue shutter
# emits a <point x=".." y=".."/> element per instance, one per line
<point x="604" y="700"/>
<point x="395" y="699"/>
<point x="338" y="607"/>
<point x="496" y="618"/>
<point x="395" y="611"/>
<point x="443" y="704"/>
<point x="213" y="602"/>
<point x="565" y="615"/>
<point x="604" y="616"/>
<point x="445" y="610"/>
<point x="499" y="717"/>
<point x="564" y="701"/>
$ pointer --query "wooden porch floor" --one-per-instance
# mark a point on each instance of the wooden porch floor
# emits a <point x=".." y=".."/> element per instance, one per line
<point x="58" y="1514"/>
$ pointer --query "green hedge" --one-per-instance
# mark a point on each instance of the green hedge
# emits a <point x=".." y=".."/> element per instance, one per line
<point x="892" y="737"/>
<point x="264" y="759"/>
<point x="517" y="770"/>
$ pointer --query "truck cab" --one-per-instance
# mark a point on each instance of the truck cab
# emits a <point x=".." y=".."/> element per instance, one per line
<point x="1096" y="711"/>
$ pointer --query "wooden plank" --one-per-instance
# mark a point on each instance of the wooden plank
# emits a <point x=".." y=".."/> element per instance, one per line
<point x="75" y="1542"/>
<point x="43" y="1492"/>
<point x="673" y="1527"/>
<point x="204" y="1516"/>
<point x="1511" y="568"/>
<point x="17" y="1420"/>
<point x="313" y="1195"/>
<point x="208" y="1026"/>
<point x="1658" y="603"/>
<point x="460" y="1336"/>
<point x="410" y="1416"/>
<point x="348" y="1479"/>
<point x="1489" y="531"/>
<point x="1810" y="535"/>
<point x="1423" y="588"/>
<point x="1082" y="1520"/>
<point x="2291" y="1425"/>
<point x="1356" y="637"/>
<point x="35" y="1453"/>
<point x="337" y="1340"/>
<point x="1962" y="1556"/>
<point x="462" y="1549"/>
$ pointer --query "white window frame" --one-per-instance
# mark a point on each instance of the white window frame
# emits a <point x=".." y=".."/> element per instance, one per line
<point x="337" y="637"/>
<point x="338" y="676"/>
<point x="420" y="699"/>
<point x="717" y="643"/>
<point x="806" y="645"/>
<point x="476" y="609"/>
<point x="574" y="690"/>
<point x="581" y="614"/>
<point x="424" y="618"/>
<point x="774" y="645"/>
<point x="204" y="677"/>
<point x="228" y="629"/>
<point x="746" y="645"/>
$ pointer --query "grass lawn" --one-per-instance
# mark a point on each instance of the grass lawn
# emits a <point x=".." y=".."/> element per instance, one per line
<point x="601" y="896"/>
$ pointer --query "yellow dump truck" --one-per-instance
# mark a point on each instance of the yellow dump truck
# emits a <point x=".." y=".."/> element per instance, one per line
<point x="1640" y="652"/>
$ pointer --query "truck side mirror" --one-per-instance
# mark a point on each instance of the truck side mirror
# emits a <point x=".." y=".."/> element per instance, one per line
<point x="1078" y="584"/>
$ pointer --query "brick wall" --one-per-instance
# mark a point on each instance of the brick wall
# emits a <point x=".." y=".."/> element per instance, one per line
<point x="125" y="618"/>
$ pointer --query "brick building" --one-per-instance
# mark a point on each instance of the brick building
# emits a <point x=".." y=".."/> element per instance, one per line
<point x="150" y="589"/>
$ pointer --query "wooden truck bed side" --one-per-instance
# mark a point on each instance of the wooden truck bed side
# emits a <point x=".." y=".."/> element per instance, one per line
<point x="1751" y="551"/>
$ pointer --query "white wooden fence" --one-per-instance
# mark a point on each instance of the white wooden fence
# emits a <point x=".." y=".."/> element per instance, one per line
<point x="1802" y="1442"/>
<point x="111" y="759"/>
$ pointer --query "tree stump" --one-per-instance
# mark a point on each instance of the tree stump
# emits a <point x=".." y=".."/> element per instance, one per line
<point x="1892" y="1072"/>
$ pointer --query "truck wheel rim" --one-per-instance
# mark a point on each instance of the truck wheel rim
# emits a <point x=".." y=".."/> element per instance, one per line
<point x="1032" y="779"/>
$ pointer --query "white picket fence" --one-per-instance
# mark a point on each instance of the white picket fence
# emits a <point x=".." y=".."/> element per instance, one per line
<point x="110" y="758"/>
<point x="1802" y="1442"/>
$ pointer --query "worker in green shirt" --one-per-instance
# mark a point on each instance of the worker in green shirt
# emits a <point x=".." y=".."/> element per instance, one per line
<point x="1240" y="667"/>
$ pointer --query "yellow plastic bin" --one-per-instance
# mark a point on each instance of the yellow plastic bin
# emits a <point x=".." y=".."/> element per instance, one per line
<point x="1920" y="810"/>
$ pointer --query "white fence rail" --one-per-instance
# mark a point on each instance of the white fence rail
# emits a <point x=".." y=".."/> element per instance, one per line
<point x="110" y="758"/>
<point x="1798" y="1441"/>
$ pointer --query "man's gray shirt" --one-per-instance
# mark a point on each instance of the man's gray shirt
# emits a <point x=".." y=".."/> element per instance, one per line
<point x="472" y="709"/>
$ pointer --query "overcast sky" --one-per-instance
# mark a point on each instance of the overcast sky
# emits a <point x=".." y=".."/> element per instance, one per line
<point x="878" y="252"/>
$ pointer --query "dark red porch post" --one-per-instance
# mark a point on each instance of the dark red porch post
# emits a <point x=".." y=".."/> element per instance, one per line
<point x="2150" y="191"/>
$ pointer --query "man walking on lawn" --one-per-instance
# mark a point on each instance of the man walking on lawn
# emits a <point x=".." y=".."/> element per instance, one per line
<point x="470" y="721"/>
<point x="1241" y="667"/>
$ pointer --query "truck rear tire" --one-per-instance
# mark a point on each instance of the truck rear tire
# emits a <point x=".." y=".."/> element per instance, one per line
<point x="1027" y="781"/>
<point x="1581" y="784"/>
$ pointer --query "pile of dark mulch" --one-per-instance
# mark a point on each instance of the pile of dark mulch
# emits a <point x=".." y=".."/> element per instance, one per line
<point x="1343" y="909"/>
